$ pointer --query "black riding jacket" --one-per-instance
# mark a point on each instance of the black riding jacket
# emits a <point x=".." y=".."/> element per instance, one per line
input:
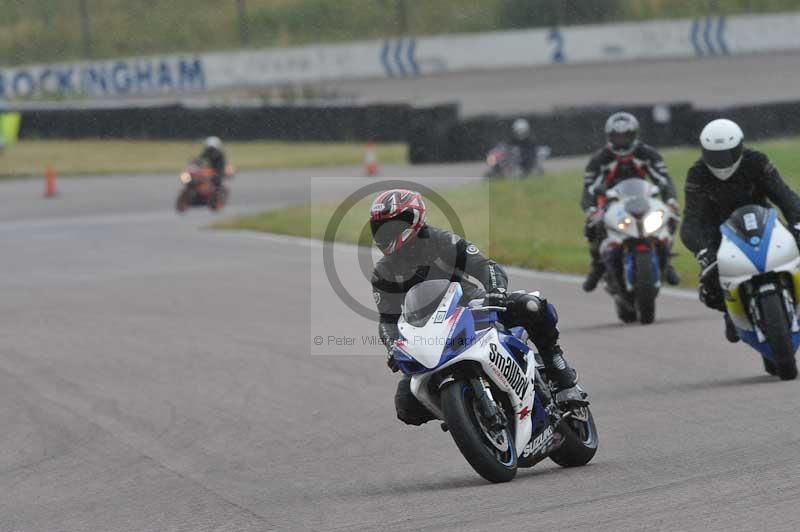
<point x="216" y="159"/>
<point x="527" y="151"/>
<point x="606" y="169"/>
<point x="710" y="201"/>
<point x="432" y="254"/>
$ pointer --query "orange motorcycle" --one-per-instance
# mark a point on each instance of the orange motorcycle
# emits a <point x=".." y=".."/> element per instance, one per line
<point x="199" y="190"/>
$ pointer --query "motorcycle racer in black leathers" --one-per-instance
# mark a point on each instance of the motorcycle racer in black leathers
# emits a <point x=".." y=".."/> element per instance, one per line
<point x="623" y="157"/>
<point x="522" y="139"/>
<point x="415" y="252"/>
<point x="726" y="177"/>
<point x="213" y="155"/>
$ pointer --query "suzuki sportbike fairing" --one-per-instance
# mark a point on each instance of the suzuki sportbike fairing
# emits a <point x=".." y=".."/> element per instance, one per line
<point x="759" y="271"/>
<point x="485" y="384"/>
<point x="198" y="188"/>
<point x="638" y="238"/>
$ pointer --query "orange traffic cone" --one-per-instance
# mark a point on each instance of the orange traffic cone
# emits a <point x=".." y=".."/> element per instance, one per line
<point x="371" y="160"/>
<point x="49" y="182"/>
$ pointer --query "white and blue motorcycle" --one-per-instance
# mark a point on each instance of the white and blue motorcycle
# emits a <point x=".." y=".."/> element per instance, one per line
<point x="636" y="248"/>
<point x="759" y="270"/>
<point x="485" y="384"/>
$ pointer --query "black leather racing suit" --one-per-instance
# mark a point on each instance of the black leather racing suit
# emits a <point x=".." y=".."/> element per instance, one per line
<point x="711" y="201"/>
<point x="527" y="152"/>
<point x="606" y="169"/>
<point x="439" y="254"/>
<point x="216" y="159"/>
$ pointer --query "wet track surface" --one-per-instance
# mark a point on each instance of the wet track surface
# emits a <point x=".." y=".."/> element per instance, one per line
<point x="156" y="375"/>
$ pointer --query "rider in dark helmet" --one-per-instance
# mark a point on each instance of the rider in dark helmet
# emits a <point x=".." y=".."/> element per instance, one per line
<point x="415" y="252"/>
<point x="213" y="155"/>
<point x="623" y="157"/>
<point x="726" y="177"/>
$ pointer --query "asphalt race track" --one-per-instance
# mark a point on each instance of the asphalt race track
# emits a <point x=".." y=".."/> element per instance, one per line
<point x="156" y="375"/>
<point x="707" y="82"/>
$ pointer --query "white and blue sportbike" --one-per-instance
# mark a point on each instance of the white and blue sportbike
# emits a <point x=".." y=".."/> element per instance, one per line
<point x="636" y="248"/>
<point x="485" y="384"/>
<point x="759" y="270"/>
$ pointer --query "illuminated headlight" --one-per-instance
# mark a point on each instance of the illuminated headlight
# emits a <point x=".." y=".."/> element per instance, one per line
<point x="653" y="221"/>
<point x="624" y="223"/>
<point x="186" y="178"/>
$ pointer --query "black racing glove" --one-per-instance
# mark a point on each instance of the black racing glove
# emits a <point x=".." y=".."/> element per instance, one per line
<point x="710" y="291"/>
<point x="496" y="297"/>
<point x="594" y="217"/>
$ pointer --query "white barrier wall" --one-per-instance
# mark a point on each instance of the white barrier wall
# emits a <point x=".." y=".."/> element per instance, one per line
<point x="406" y="57"/>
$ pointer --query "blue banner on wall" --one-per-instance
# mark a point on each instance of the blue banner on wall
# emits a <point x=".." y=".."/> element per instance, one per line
<point x="114" y="78"/>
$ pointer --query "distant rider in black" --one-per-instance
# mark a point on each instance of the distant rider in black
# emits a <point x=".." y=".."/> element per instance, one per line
<point x="623" y="157"/>
<point x="522" y="139"/>
<point x="415" y="252"/>
<point x="728" y="176"/>
<point x="213" y="155"/>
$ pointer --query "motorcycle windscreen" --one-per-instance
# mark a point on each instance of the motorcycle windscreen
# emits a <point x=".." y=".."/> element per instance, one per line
<point x="632" y="188"/>
<point x="423" y="300"/>
<point x="749" y="223"/>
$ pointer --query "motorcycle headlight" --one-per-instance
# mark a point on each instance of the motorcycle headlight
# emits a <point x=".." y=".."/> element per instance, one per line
<point x="624" y="223"/>
<point x="186" y="178"/>
<point x="653" y="221"/>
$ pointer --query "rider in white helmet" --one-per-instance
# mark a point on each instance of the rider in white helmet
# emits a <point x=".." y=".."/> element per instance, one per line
<point x="521" y="138"/>
<point x="215" y="157"/>
<point x="726" y="177"/>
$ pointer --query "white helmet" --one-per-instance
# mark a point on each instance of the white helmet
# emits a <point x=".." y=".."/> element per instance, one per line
<point x="213" y="142"/>
<point x="622" y="133"/>
<point x="722" y="142"/>
<point x="521" y="128"/>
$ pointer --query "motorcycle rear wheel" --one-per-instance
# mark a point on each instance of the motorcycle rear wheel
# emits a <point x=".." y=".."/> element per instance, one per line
<point x="779" y="335"/>
<point x="645" y="290"/>
<point x="458" y="410"/>
<point x="580" y="441"/>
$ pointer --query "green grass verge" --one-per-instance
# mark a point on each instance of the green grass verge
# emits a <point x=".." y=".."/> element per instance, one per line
<point x="535" y="223"/>
<point x="30" y="157"/>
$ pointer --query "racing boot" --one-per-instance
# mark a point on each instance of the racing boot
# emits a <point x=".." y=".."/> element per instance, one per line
<point x="564" y="378"/>
<point x="409" y="410"/>
<point x="596" y="271"/>
<point x="731" y="334"/>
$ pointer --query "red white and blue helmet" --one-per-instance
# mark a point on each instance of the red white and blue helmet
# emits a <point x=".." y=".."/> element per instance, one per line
<point x="396" y="216"/>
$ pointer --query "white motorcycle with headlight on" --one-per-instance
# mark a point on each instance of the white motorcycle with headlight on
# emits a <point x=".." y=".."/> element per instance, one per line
<point x="485" y="384"/>
<point x="637" y="243"/>
<point x="759" y="271"/>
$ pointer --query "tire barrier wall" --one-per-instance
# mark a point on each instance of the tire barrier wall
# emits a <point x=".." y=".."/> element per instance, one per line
<point x="434" y="134"/>
<point x="380" y="123"/>
<point x="577" y="131"/>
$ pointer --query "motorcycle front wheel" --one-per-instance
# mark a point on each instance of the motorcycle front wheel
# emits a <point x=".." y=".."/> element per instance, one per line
<point x="779" y="335"/>
<point x="645" y="290"/>
<point x="492" y="455"/>
<point x="184" y="200"/>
